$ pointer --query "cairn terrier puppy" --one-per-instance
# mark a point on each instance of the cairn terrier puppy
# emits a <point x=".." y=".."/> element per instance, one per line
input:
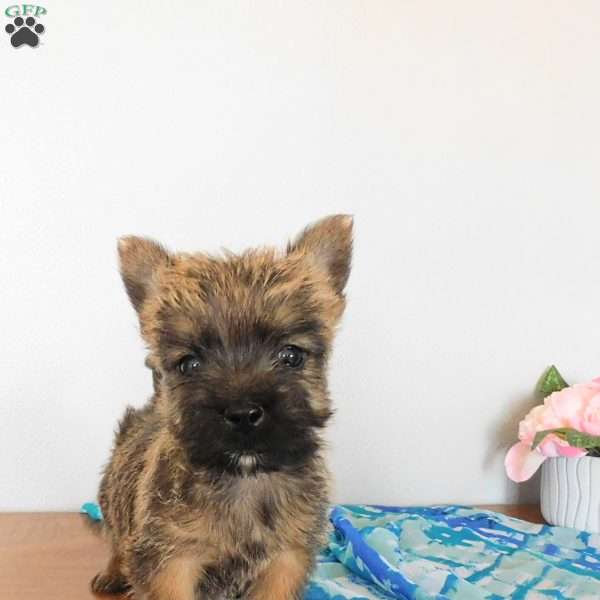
<point x="218" y="488"/>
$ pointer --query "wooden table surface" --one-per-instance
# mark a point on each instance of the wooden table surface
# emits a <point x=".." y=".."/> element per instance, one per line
<point x="53" y="556"/>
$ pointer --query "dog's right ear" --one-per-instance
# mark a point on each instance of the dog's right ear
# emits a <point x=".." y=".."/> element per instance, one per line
<point x="140" y="259"/>
<point x="328" y="243"/>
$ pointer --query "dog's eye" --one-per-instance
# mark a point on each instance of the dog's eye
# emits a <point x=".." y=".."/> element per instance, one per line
<point x="291" y="356"/>
<point x="188" y="364"/>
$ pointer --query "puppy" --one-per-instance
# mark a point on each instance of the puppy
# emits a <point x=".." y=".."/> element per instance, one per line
<point x="217" y="488"/>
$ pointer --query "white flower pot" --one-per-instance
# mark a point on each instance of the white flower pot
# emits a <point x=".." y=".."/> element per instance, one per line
<point x="570" y="494"/>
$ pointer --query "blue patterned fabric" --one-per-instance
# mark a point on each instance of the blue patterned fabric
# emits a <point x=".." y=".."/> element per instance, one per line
<point x="449" y="553"/>
<point x="452" y="552"/>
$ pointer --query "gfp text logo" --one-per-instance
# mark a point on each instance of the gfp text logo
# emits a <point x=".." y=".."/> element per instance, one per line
<point x="24" y="28"/>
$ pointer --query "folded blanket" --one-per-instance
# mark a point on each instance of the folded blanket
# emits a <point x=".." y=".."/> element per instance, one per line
<point x="452" y="552"/>
<point x="449" y="552"/>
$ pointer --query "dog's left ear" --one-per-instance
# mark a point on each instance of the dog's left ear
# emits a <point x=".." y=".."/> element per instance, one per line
<point x="141" y="258"/>
<point x="328" y="243"/>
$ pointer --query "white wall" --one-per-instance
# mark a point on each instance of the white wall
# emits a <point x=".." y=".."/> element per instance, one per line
<point x="464" y="136"/>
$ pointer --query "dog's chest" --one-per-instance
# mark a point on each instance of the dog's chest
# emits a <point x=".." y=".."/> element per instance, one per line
<point x="247" y="529"/>
<point x="254" y="510"/>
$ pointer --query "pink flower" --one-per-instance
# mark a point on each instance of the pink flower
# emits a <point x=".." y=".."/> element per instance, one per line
<point x="576" y="407"/>
<point x="553" y="446"/>
<point x="590" y="421"/>
<point x="569" y="404"/>
<point x="521" y="462"/>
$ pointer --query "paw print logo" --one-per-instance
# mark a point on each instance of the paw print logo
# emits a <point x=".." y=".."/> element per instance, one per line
<point x="24" y="32"/>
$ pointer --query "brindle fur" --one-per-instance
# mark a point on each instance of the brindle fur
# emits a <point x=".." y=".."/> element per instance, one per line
<point x="186" y="517"/>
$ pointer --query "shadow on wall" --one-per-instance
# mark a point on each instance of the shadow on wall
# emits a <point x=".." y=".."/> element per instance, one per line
<point x="505" y="432"/>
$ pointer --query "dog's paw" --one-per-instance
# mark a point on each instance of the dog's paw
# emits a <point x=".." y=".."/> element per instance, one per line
<point x="108" y="583"/>
<point x="24" y="32"/>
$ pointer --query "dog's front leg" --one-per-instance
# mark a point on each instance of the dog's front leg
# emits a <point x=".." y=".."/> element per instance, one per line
<point x="284" y="578"/>
<point x="176" y="580"/>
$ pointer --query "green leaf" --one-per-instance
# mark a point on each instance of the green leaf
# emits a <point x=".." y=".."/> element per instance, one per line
<point x="571" y="436"/>
<point x="582" y="440"/>
<point x="540" y="435"/>
<point x="551" y="381"/>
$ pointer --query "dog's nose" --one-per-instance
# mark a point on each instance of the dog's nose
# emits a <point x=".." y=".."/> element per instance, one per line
<point x="244" y="419"/>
